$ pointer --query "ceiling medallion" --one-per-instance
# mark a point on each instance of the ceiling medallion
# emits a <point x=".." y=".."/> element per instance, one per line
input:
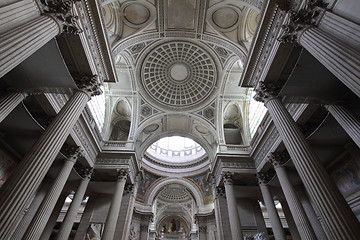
<point x="178" y="75"/>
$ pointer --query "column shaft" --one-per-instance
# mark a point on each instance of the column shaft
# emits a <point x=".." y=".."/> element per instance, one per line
<point x="19" y="43"/>
<point x="341" y="28"/>
<point x="333" y="209"/>
<point x="42" y="215"/>
<point x="290" y="221"/>
<point x="347" y="120"/>
<point x="275" y="222"/>
<point x="234" y="218"/>
<point x="73" y="210"/>
<point x="29" y="173"/>
<point x="302" y="222"/>
<point x="36" y="202"/>
<point x="53" y="217"/>
<point x="338" y="58"/>
<point x="313" y="218"/>
<point x="112" y="217"/>
<point x="16" y="13"/>
<point x="130" y="212"/>
<point x="9" y="102"/>
<point x="144" y="232"/>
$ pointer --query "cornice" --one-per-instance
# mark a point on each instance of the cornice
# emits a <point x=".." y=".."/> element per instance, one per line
<point x="260" y="49"/>
<point x="95" y="39"/>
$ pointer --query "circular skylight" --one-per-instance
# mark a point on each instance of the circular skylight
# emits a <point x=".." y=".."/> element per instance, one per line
<point x="176" y="149"/>
<point x="178" y="74"/>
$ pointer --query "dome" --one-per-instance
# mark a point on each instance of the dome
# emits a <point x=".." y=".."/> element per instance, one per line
<point x="178" y="75"/>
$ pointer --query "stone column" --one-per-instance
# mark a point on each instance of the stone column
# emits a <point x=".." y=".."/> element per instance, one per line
<point x="234" y="218"/>
<point x="86" y="217"/>
<point x="223" y="230"/>
<point x="42" y="215"/>
<point x="9" y="102"/>
<point x="144" y="232"/>
<point x="274" y="218"/>
<point x="302" y="222"/>
<point x="339" y="58"/>
<point x="202" y="232"/>
<point x="337" y="216"/>
<point x="17" y="12"/>
<point x="112" y="217"/>
<point x="73" y="210"/>
<point x="341" y="28"/>
<point x="54" y="216"/>
<point x="18" y="43"/>
<point x="30" y="213"/>
<point x="347" y="120"/>
<point x="132" y="190"/>
<point x="290" y="220"/>
<point x="29" y="173"/>
<point x="312" y="216"/>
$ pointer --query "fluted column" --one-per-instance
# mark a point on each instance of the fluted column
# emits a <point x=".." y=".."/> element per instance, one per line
<point x="312" y="216"/>
<point x="132" y="190"/>
<point x="144" y="232"/>
<point x="202" y="232"/>
<point x="337" y="216"/>
<point x="43" y="213"/>
<point x="18" y="43"/>
<point x="235" y="226"/>
<point x="290" y="220"/>
<point x="54" y="216"/>
<point x="30" y="213"/>
<point x="341" y="28"/>
<point x="302" y="222"/>
<point x="17" y="12"/>
<point x="274" y="218"/>
<point x="221" y="213"/>
<point x="9" y="102"/>
<point x="347" y="120"/>
<point x="30" y="172"/>
<point x="73" y="210"/>
<point x="113" y="214"/>
<point x="338" y="57"/>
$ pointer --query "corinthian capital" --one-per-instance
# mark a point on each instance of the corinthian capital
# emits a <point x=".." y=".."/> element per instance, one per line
<point x="89" y="84"/>
<point x="122" y="174"/>
<point x="301" y="20"/>
<point x="62" y="12"/>
<point x="73" y="153"/>
<point x="263" y="178"/>
<point x="278" y="159"/>
<point x="227" y="177"/>
<point x="87" y="173"/>
<point x="266" y="91"/>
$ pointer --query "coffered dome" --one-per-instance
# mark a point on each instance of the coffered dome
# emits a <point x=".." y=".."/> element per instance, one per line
<point x="178" y="75"/>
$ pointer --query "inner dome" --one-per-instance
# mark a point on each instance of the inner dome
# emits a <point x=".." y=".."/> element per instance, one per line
<point x="176" y="149"/>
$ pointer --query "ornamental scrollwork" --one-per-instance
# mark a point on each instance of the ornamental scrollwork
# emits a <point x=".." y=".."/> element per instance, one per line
<point x="301" y="20"/>
<point x="89" y="84"/>
<point x="62" y="12"/>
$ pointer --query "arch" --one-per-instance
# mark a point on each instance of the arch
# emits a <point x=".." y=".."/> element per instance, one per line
<point x="143" y="142"/>
<point x="193" y="190"/>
